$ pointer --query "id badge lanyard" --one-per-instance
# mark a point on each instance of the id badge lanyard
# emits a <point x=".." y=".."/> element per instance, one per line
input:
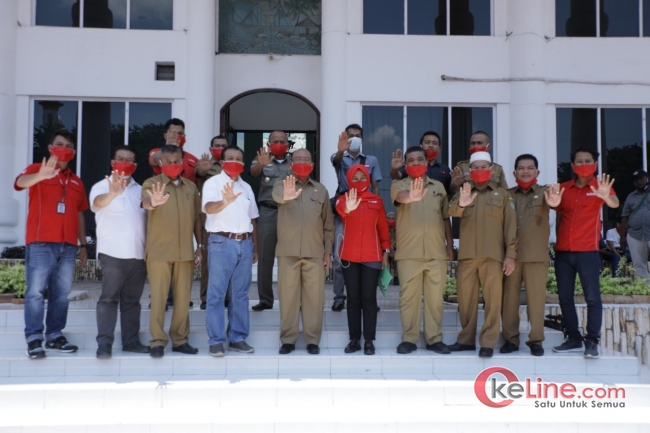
<point x="60" y="206"/>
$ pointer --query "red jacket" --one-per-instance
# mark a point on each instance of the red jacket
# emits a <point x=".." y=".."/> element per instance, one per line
<point x="365" y="230"/>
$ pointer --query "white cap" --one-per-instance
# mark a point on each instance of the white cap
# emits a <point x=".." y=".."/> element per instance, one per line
<point x="480" y="156"/>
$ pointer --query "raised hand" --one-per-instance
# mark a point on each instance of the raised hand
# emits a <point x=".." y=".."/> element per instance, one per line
<point x="157" y="194"/>
<point x="228" y="193"/>
<point x="343" y="142"/>
<point x="116" y="184"/>
<point x="457" y="177"/>
<point x="205" y="163"/>
<point x="397" y="162"/>
<point x="48" y="169"/>
<point x="604" y="186"/>
<point x="290" y="192"/>
<point x="553" y="195"/>
<point x="417" y="191"/>
<point x="172" y="138"/>
<point x="466" y="197"/>
<point x="264" y="157"/>
<point x="351" y="202"/>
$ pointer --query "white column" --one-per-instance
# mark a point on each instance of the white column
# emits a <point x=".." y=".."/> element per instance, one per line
<point x="334" y="84"/>
<point x="8" y="205"/>
<point x="199" y="112"/>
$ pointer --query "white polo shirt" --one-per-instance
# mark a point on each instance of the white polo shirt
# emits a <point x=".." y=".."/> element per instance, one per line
<point x="237" y="216"/>
<point x="121" y="226"/>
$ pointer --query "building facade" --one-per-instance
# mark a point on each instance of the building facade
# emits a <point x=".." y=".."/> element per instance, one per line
<point x="540" y="76"/>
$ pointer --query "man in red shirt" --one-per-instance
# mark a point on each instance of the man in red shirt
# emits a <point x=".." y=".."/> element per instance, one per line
<point x="175" y="134"/>
<point x="57" y="199"/>
<point x="576" y="250"/>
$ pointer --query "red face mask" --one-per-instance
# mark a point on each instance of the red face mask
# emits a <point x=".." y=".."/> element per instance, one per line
<point x="62" y="153"/>
<point x="181" y="141"/>
<point x="128" y="168"/>
<point x="360" y="185"/>
<point x="475" y="149"/>
<point x="301" y="170"/>
<point x="216" y="152"/>
<point x="279" y="150"/>
<point x="391" y="223"/>
<point x="526" y="185"/>
<point x="172" y="171"/>
<point x="480" y="176"/>
<point x="431" y="154"/>
<point x="233" y="168"/>
<point x="416" y="171"/>
<point x="585" y="170"/>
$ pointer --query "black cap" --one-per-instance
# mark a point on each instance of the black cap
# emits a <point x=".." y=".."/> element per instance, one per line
<point x="640" y="173"/>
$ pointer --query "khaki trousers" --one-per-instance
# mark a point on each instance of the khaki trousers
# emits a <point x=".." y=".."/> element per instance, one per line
<point x="301" y="289"/>
<point x="161" y="274"/>
<point x="488" y="274"/>
<point x="418" y="279"/>
<point x="534" y="275"/>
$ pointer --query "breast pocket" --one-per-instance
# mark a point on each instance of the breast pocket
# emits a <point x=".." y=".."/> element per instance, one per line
<point x="316" y="204"/>
<point x="495" y="205"/>
<point x="118" y="205"/>
<point x="268" y="171"/>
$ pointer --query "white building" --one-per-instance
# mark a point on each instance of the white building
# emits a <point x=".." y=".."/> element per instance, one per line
<point x="514" y="73"/>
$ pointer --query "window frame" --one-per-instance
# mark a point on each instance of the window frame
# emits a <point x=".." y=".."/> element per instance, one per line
<point x="640" y="35"/>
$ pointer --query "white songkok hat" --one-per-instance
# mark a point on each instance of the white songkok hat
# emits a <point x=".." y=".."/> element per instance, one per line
<point x="480" y="156"/>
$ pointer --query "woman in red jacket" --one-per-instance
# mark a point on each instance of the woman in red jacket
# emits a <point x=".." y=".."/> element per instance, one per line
<point x="363" y="253"/>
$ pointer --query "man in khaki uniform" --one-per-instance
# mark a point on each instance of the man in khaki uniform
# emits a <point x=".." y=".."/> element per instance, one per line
<point x="478" y="142"/>
<point x="304" y="251"/>
<point x="207" y="167"/>
<point x="174" y="209"/>
<point x="424" y="244"/>
<point x="270" y="165"/>
<point x="488" y="248"/>
<point x="533" y="203"/>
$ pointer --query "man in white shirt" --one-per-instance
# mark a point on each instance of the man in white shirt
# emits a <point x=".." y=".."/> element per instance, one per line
<point x="121" y="230"/>
<point x="229" y="204"/>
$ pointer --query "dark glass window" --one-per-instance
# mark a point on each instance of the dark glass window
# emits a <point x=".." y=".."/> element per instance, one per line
<point x="146" y="129"/>
<point x="646" y="17"/>
<point x="383" y="17"/>
<point x="383" y="132"/>
<point x="48" y="117"/>
<point x="575" y="128"/>
<point x="575" y="17"/>
<point x="61" y="13"/>
<point x="152" y="15"/>
<point x="470" y="17"/>
<point x="422" y="119"/>
<point x="464" y="122"/>
<point x="621" y="18"/>
<point x="427" y="17"/>
<point x="105" y="14"/>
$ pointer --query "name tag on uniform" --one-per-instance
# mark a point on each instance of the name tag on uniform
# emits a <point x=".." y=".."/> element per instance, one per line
<point x="313" y="196"/>
<point x="60" y="207"/>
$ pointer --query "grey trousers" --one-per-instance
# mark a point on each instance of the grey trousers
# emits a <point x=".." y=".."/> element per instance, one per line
<point x="267" y="239"/>
<point x="123" y="284"/>
<point x="339" y="282"/>
<point x="639" y="252"/>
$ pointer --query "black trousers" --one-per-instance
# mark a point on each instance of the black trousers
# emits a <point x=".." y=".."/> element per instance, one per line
<point x="123" y="284"/>
<point x="361" y="285"/>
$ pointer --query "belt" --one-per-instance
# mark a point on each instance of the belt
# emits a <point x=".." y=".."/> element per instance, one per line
<point x="235" y="236"/>
<point x="270" y="206"/>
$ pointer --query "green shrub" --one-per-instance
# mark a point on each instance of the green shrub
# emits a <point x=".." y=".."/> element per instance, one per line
<point x="12" y="280"/>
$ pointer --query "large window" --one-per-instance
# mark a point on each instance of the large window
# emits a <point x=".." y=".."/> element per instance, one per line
<point x="106" y="14"/>
<point x="428" y="17"/>
<point x="262" y="27"/>
<point x="617" y="134"/>
<point x="102" y="129"/>
<point x="602" y="18"/>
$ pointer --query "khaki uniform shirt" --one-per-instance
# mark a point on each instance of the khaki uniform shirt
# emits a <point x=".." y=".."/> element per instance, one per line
<point x="488" y="226"/>
<point x="269" y="176"/>
<point x="215" y="170"/>
<point x="533" y="228"/>
<point x="305" y="224"/>
<point x="170" y="227"/>
<point x="498" y="176"/>
<point x="420" y="225"/>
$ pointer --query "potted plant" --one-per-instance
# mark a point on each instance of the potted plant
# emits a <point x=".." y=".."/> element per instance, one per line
<point x="12" y="282"/>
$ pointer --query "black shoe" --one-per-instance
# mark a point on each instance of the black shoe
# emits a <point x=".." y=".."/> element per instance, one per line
<point x="313" y="349"/>
<point x="368" y="348"/>
<point x="353" y="346"/>
<point x="485" y="352"/>
<point x="157" y="352"/>
<point x="204" y="305"/>
<point x="35" y="349"/>
<point x="217" y="350"/>
<point x="136" y="347"/>
<point x="287" y="348"/>
<point x="536" y="350"/>
<point x="509" y="347"/>
<point x="169" y="304"/>
<point x="591" y="349"/>
<point x="261" y="307"/>
<point x="61" y="344"/>
<point x="186" y="349"/>
<point x="569" y="345"/>
<point x="457" y="347"/>
<point x="439" y="347"/>
<point x="104" y="351"/>
<point x="338" y="305"/>
<point x="378" y="308"/>
<point x="241" y="346"/>
<point x="405" y="347"/>
<point x="191" y="304"/>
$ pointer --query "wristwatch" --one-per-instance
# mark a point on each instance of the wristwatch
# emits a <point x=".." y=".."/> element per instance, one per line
<point x="83" y="246"/>
<point x="200" y="246"/>
<point x="387" y="251"/>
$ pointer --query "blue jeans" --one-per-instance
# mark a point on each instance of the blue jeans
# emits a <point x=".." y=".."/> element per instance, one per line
<point x="51" y="265"/>
<point x="231" y="264"/>
<point x="587" y="266"/>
